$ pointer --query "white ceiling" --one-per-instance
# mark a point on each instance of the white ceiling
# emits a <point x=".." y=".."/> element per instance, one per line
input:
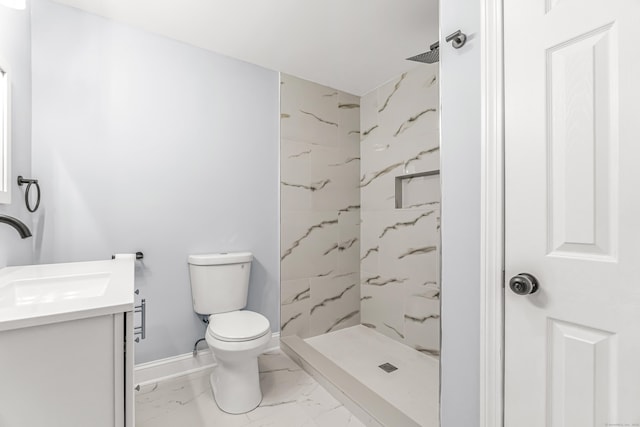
<point x="351" y="45"/>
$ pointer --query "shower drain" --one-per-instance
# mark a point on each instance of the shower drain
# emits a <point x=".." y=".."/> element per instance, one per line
<point x="387" y="367"/>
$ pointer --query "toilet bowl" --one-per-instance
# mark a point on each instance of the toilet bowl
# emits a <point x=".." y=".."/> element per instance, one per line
<point x="219" y="286"/>
<point x="236" y="340"/>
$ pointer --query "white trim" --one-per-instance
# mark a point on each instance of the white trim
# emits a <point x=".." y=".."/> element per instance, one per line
<point x="492" y="221"/>
<point x="183" y="364"/>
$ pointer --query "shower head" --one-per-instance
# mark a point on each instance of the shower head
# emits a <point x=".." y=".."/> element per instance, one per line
<point x="428" y="57"/>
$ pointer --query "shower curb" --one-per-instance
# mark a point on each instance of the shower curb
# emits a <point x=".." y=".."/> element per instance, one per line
<point x="365" y="404"/>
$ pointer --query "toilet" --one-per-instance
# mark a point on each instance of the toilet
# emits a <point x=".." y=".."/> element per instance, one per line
<point x="219" y="287"/>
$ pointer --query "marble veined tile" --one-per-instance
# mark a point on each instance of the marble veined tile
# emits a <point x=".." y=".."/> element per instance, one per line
<point x="335" y="303"/>
<point x="296" y="187"/>
<point x="422" y="313"/>
<point x="369" y="245"/>
<point x="295" y="161"/>
<point x="399" y="134"/>
<point x="320" y="193"/>
<point x="281" y="387"/>
<point x="410" y="102"/>
<point x="424" y="158"/>
<point x="275" y="361"/>
<point x="409" y="245"/>
<point x="379" y="192"/>
<point x="368" y="115"/>
<point x="382" y="304"/>
<point x="179" y="402"/>
<point x="338" y="170"/>
<point x="306" y="240"/>
<point x="295" y="291"/>
<point x="294" y="307"/>
<point x="387" y="94"/>
<point x="348" y="245"/>
<point x="291" y="398"/>
<point x="294" y="320"/>
<point x="308" y="112"/>
<point x="377" y="186"/>
<point x="400" y="268"/>
<point x="417" y="256"/>
<point x="380" y="164"/>
<point x="422" y="326"/>
<point x="318" y="178"/>
<point x="349" y="120"/>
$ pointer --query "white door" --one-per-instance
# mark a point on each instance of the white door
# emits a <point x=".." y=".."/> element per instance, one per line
<point x="572" y="93"/>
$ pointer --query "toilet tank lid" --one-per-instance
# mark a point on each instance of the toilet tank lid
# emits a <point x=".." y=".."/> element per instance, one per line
<point x="221" y="258"/>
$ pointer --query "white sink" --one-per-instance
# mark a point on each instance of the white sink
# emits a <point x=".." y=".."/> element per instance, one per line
<point x="53" y="289"/>
<point x="38" y="294"/>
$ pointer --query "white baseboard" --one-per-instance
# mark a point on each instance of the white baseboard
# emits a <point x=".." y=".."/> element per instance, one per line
<point x="183" y="364"/>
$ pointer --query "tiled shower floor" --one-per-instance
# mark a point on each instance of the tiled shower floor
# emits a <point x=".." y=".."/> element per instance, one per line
<point x="413" y="388"/>
<point x="291" y="398"/>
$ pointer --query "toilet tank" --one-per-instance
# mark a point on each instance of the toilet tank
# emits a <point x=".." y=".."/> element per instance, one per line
<point x="219" y="282"/>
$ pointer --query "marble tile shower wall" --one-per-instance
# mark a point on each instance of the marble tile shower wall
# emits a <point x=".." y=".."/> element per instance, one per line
<point x="320" y="208"/>
<point x="399" y="253"/>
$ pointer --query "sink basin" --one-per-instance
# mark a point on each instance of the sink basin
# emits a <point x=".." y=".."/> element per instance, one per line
<point x="38" y="294"/>
<point x="53" y="289"/>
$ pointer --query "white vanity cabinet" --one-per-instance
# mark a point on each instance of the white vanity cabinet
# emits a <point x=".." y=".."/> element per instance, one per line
<point x="71" y="366"/>
<point x="74" y="373"/>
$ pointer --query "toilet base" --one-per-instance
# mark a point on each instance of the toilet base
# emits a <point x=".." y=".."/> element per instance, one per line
<point x="240" y="393"/>
<point x="235" y="381"/>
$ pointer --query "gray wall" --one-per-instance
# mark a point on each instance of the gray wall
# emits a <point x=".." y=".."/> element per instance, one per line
<point x="460" y="171"/>
<point x="144" y="143"/>
<point x="15" y="52"/>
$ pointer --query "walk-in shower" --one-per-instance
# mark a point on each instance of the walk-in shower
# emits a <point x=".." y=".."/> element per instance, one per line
<point x="360" y="242"/>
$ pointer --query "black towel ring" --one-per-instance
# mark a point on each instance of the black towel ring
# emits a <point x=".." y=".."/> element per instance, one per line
<point x="29" y="183"/>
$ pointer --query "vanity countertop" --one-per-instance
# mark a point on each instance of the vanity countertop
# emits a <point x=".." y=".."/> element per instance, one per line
<point x="33" y="295"/>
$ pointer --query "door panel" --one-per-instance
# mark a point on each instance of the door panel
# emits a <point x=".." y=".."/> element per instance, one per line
<point x="581" y="142"/>
<point x="572" y="212"/>
<point x="582" y="374"/>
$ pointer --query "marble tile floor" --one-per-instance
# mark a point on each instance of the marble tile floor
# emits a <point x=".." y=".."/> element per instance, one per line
<point x="291" y="398"/>
<point x="413" y="388"/>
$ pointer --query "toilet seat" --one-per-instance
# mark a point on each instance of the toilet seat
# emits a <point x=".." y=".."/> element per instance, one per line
<point x="238" y="326"/>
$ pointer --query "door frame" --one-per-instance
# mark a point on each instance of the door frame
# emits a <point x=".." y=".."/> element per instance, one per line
<point x="492" y="216"/>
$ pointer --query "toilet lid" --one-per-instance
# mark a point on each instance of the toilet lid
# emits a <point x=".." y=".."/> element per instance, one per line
<point x="238" y="326"/>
